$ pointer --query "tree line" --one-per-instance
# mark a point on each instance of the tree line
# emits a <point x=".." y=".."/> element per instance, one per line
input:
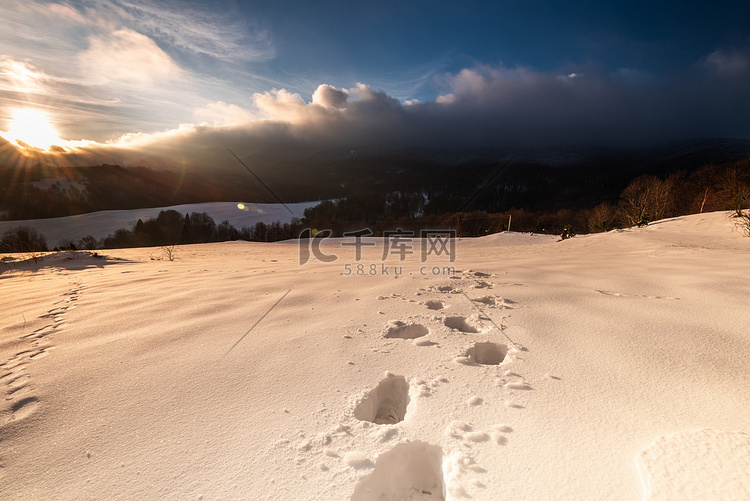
<point x="171" y="227"/>
<point x="647" y="198"/>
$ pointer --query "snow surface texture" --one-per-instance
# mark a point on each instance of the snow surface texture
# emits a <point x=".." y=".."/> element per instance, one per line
<point x="698" y="464"/>
<point x="610" y="366"/>
<point x="104" y="223"/>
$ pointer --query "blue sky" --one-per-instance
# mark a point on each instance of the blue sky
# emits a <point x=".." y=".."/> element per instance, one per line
<point x="398" y="37"/>
<point x="130" y="72"/>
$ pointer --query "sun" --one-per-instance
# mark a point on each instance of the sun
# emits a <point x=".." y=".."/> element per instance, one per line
<point x="33" y="128"/>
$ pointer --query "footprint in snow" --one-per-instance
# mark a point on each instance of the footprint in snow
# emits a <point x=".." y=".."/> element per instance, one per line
<point x="401" y="330"/>
<point x="460" y="324"/>
<point x="385" y="404"/>
<point x="408" y="471"/>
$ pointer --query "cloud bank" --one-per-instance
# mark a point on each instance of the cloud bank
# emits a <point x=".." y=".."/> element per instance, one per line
<point x="481" y="108"/>
<point x="494" y="107"/>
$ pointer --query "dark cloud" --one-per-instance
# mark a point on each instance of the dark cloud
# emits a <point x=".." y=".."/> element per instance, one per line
<point x="495" y="107"/>
<point x="488" y="107"/>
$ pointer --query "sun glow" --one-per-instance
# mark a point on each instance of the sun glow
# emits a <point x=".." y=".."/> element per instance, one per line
<point x="32" y="128"/>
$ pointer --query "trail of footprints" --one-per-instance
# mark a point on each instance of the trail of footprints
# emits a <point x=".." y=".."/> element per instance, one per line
<point x="416" y="469"/>
<point x="20" y="398"/>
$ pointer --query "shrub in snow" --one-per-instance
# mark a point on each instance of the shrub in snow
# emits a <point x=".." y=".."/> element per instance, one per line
<point x="743" y="220"/>
<point x="22" y="239"/>
<point x="567" y="232"/>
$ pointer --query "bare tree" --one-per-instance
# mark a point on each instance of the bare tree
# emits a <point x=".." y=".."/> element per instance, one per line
<point x="734" y="189"/>
<point x="603" y="218"/>
<point x="647" y="199"/>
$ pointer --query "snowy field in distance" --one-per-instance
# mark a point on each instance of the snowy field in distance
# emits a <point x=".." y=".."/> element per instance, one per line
<point x="104" y="223"/>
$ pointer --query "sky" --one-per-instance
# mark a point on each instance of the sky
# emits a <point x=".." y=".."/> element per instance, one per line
<point x="104" y="76"/>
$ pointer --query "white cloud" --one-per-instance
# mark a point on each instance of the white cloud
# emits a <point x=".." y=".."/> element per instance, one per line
<point x="20" y="76"/>
<point x="221" y="113"/>
<point x="280" y="104"/>
<point x="446" y="99"/>
<point x="330" y="97"/>
<point x="224" y="36"/>
<point x="127" y="56"/>
<point x="86" y="17"/>
<point x="64" y="12"/>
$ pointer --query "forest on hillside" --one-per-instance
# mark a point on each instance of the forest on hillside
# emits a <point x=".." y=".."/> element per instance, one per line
<point x="646" y="198"/>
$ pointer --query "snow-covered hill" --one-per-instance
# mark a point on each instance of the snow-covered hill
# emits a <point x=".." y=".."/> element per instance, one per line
<point x="104" y="223"/>
<point x="609" y="366"/>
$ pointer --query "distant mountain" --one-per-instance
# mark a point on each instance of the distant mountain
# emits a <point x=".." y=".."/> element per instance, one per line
<point x="542" y="178"/>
